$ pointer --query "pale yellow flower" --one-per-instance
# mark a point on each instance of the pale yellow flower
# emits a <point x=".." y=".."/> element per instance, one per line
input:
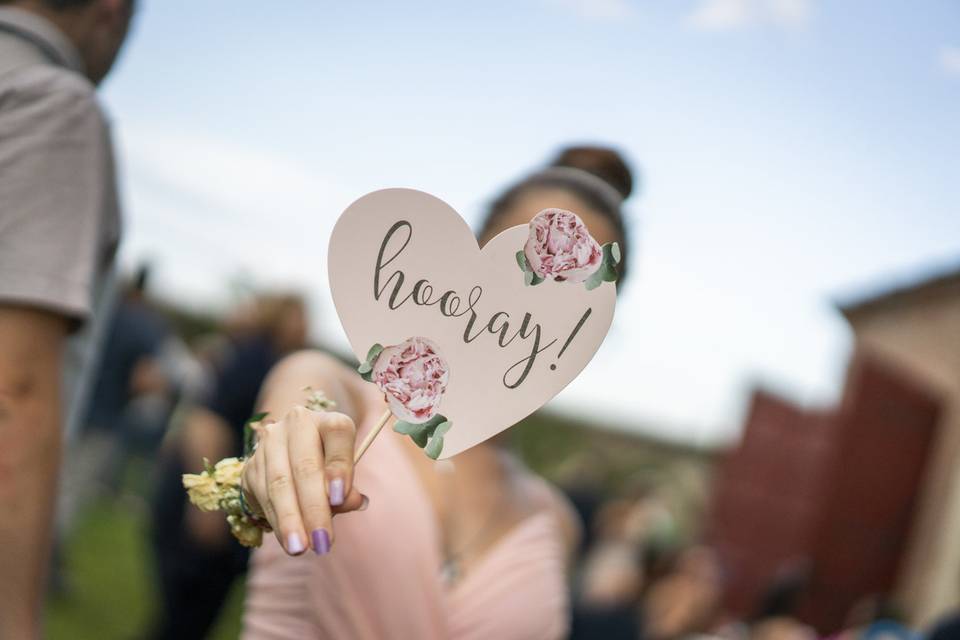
<point x="317" y="400"/>
<point x="202" y="490"/>
<point x="230" y="501"/>
<point x="246" y="533"/>
<point x="228" y="472"/>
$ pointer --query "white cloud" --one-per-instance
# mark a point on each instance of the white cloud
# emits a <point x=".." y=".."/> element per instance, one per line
<point x="206" y="210"/>
<point x="728" y="15"/>
<point x="790" y="13"/>
<point x="721" y="15"/>
<point x="597" y="9"/>
<point x="950" y="60"/>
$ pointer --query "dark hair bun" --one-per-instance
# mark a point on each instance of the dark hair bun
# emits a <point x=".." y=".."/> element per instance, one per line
<point x="603" y="162"/>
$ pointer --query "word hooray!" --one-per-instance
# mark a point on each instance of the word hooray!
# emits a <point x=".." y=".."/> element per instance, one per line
<point x="388" y="284"/>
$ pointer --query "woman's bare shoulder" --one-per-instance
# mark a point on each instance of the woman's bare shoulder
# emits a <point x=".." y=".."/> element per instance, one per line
<point x="310" y="363"/>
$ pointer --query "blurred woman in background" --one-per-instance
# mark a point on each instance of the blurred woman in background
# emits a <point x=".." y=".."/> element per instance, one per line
<point x="197" y="560"/>
<point x="474" y="549"/>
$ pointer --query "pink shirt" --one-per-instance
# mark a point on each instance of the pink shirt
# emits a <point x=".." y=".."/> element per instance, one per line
<point x="383" y="576"/>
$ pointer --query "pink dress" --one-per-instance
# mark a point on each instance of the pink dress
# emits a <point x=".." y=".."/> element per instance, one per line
<point x="383" y="576"/>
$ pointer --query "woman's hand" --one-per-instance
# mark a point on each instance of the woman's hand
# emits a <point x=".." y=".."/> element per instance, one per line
<point x="301" y="474"/>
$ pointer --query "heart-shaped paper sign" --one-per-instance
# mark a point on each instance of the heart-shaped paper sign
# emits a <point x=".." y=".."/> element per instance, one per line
<point x="403" y="264"/>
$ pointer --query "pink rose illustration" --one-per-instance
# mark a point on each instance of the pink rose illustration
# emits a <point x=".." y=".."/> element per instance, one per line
<point x="561" y="248"/>
<point x="413" y="376"/>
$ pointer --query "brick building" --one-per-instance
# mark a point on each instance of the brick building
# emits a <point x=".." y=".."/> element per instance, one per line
<point x="864" y="497"/>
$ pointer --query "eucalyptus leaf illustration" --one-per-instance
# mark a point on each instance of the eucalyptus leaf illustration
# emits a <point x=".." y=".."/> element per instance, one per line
<point x="614" y="248"/>
<point x="420" y="439"/>
<point x="594" y="280"/>
<point x="607" y="272"/>
<point x="530" y="277"/>
<point x="428" y="436"/>
<point x="366" y="367"/>
<point x="411" y="428"/>
<point x="522" y="261"/>
<point x="374" y="352"/>
<point x="434" y="447"/>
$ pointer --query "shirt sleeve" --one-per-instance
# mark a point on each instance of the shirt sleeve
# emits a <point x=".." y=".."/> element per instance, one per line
<point x="53" y="180"/>
<point x="237" y="384"/>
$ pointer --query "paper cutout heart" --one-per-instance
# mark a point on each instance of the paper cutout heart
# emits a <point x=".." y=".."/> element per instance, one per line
<point x="403" y="263"/>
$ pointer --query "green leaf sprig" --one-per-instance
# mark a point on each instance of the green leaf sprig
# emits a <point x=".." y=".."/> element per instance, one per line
<point x="530" y="277"/>
<point x="608" y="267"/>
<point x="428" y="435"/>
<point x="249" y="434"/>
<point x="366" y="367"/>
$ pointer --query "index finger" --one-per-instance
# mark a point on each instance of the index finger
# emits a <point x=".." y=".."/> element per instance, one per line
<point x="306" y="463"/>
<point x="339" y="435"/>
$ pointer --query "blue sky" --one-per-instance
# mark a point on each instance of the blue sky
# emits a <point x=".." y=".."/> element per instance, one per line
<point x="792" y="152"/>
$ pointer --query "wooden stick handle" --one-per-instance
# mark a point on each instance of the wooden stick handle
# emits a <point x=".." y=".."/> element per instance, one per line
<point x="368" y="440"/>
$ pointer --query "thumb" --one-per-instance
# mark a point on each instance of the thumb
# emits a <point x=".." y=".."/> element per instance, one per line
<point x="355" y="501"/>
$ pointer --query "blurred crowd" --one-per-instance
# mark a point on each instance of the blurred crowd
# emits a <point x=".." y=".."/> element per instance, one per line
<point x="646" y="574"/>
<point x="162" y="402"/>
<point x="165" y="398"/>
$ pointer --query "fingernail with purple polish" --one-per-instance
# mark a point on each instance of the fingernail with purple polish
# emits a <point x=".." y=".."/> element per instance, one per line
<point x="294" y="543"/>
<point x="321" y="541"/>
<point x="336" y="492"/>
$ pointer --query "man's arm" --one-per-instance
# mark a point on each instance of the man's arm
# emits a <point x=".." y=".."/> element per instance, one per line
<point x="31" y="342"/>
<point x="56" y="205"/>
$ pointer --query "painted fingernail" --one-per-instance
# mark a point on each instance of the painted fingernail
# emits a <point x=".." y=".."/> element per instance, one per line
<point x="321" y="541"/>
<point x="294" y="543"/>
<point x="364" y="504"/>
<point x="336" y="492"/>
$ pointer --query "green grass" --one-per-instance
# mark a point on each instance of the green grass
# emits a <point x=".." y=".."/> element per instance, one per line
<point x="111" y="594"/>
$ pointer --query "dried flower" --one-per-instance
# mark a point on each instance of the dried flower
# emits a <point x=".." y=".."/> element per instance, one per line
<point x="317" y="400"/>
<point x="228" y="471"/>
<point x="202" y="490"/>
<point x="243" y="529"/>
<point x="217" y="488"/>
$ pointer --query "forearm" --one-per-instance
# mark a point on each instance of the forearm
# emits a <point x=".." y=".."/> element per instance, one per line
<point x="284" y="387"/>
<point x="29" y="462"/>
